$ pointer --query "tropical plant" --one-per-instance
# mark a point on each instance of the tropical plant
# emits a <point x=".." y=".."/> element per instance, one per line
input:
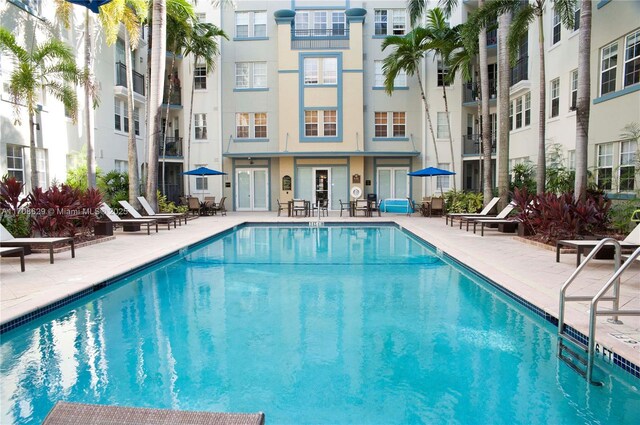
<point x="19" y="225"/>
<point x="203" y="47"/>
<point x="11" y="199"/>
<point x="115" y="187"/>
<point x="524" y="176"/>
<point x="409" y="51"/>
<point x="90" y="201"/>
<point x="77" y="177"/>
<point x="166" y="206"/>
<point x="463" y="202"/>
<point x="55" y="210"/>
<point x="49" y="67"/>
<point x="130" y="13"/>
<point x="559" y="177"/>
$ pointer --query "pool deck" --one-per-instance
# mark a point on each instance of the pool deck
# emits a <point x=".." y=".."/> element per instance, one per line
<point x="524" y="269"/>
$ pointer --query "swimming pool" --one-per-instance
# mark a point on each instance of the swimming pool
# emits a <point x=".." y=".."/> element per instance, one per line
<point x="310" y="325"/>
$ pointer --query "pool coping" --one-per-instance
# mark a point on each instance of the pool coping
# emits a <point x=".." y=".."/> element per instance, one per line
<point x="606" y="354"/>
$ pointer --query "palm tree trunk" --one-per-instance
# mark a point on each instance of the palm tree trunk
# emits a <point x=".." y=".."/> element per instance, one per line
<point x="193" y="88"/>
<point x="541" y="170"/>
<point x="426" y="110"/>
<point x="166" y="123"/>
<point x="88" y="103"/>
<point x="132" y="149"/>
<point x="156" y="85"/>
<point x="503" y="108"/>
<point x="487" y="172"/>
<point x="446" y="110"/>
<point x="584" y="94"/>
<point x="32" y="151"/>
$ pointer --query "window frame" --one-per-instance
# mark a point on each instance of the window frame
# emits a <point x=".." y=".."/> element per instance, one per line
<point x="253" y="128"/>
<point x="378" y="81"/>
<point x="200" y="77"/>
<point x="387" y="26"/>
<point x="317" y="119"/>
<point x="386" y="127"/>
<point x="442" y="72"/>
<point x="610" y="70"/>
<point x="320" y="74"/>
<point x="600" y="156"/>
<point x="251" y="24"/>
<point x="12" y="171"/>
<point x="556" y="28"/>
<point x="627" y="168"/>
<point x="439" y="135"/>
<point x="200" y="126"/>
<point x="573" y="86"/>
<point x="250" y="75"/>
<point x="527" y="109"/>
<point x="635" y="60"/>
<point x="555" y="98"/>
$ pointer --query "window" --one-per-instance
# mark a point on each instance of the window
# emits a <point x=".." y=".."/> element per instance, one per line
<point x="121" y="117"/>
<point x="250" y="75"/>
<point x="555" y="97"/>
<point x="442" y="74"/>
<point x="400" y="80"/>
<point x="136" y="120"/>
<point x="202" y="183"/>
<point x="117" y="115"/>
<point x="321" y="123"/>
<point x="200" y="124"/>
<point x="628" y="151"/>
<point x="608" y="68"/>
<point x="317" y="23"/>
<point x="251" y="125"/>
<point x="519" y="112"/>
<point x="397" y="18"/>
<point x="556" y="27"/>
<point x="527" y="109"/>
<point x="320" y="71"/>
<point x="576" y="17"/>
<point x="574" y="90"/>
<point x="605" y="166"/>
<point x="442" y="182"/>
<point x="41" y="164"/>
<point x="200" y="77"/>
<point x="571" y="159"/>
<point x="121" y="166"/>
<point x="381" y="124"/>
<point x="443" y="126"/>
<point x="398" y="121"/>
<point x="510" y="115"/>
<point x="399" y="124"/>
<point x="15" y="163"/>
<point x="251" y="24"/>
<point x="632" y="59"/>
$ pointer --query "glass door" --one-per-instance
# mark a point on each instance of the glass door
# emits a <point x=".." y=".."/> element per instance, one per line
<point x="252" y="188"/>
<point x="321" y="192"/>
<point x="392" y="183"/>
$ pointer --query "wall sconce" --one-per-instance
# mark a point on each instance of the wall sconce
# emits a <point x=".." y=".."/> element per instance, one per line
<point x="250" y="161"/>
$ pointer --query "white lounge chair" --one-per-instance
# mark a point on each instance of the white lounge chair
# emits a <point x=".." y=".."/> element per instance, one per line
<point x="14" y="250"/>
<point x="484" y="213"/>
<point x="501" y="216"/>
<point x="159" y="218"/>
<point x="128" y="224"/>
<point x="152" y="214"/>
<point x="632" y="241"/>
<point x="7" y="239"/>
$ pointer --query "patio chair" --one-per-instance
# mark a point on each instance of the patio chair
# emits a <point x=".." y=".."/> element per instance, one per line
<point x="14" y="250"/>
<point x="7" y="240"/>
<point x="501" y="216"/>
<point x="299" y="205"/>
<point x="436" y="205"/>
<point x="372" y="198"/>
<point x="194" y="206"/>
<point x="632" y="241"/>
<point x="219" y="207"/>
<point x="344" y="206"/>
<point x="209" y="204"/>
<point x="77" y="413"/>
<point x="281" y="207"/>
<point x="322" y="206"/>
<point x="161" y="219"/>
<point x="362" y="205"/>
<point x="485" y="211"/>
<point x="151" y="213"/>
<point x="128" y="224"/>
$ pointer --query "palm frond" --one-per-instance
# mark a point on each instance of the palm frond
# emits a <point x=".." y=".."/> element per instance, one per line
<point x="66" y="95"/>
<point x="566" y="8"/>
<point x="63" y="12"/>
<point x="447" y="6"/>
<point x="519" y="29"/>
<point x="416" y="9"/>
<point x="52" y="50"/>
<point x="8" y="43"/>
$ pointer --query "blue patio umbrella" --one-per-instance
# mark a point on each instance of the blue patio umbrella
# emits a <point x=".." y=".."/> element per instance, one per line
<point x="203" y="171"/>
<point x="430" y="172"/>
<point x="92" y="5"/>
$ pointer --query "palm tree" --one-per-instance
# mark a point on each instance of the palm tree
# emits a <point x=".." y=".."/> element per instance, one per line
<point x="203" y="46"/>
<point x="583" y="101"/>
<point x="524" y="14"/>
<point x="129" y="13"/>
<point x="49" y="67"/>
<point x="504" y="21"/>
<point x="409" y="51"/>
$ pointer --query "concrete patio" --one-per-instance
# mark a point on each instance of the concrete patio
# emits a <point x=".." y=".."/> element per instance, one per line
<point x="528" y="271"/>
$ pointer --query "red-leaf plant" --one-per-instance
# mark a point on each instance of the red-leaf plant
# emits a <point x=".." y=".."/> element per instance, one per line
<point x="90" y="201"/>
<point x="56" y="210"/>
<point x="10" y="195"/>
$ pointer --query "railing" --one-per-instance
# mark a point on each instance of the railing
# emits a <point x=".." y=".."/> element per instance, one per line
<point x="330" y="38"/>
<point x="173" y="148"/>
<point x="471" y="91"/>
<point x="492" y="37"/>
<point x="121" y="78"/>
<point x="472" y="144"/>
<point x="520" y="70"/>
<point x="174" y="99"/>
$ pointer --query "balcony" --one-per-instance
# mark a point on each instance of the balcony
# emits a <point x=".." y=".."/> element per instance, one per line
<point x="520" y="71"/>
<point x="174" y="99"/>
<point x="121" y="78"/>
<point x="472" y="145"/>
<point x="492" y="38"/>
<point x="330" y="38"/>
<point x="471" y="91"/>
<point x="173" y="148"/>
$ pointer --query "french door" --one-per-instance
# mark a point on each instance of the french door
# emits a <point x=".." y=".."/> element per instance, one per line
<point x="252" y="189"/>
<point x="393" y="182"/>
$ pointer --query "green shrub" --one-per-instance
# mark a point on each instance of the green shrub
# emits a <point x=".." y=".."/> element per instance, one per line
<point x="524" y="177"/>
<point x="77" y="178"/>
<point x="461" y="202"/>
<point x="620" y="214"/>
<point x="169" y="207"/>
<point x="115" y="187"/>
<point x="18" y="225"/>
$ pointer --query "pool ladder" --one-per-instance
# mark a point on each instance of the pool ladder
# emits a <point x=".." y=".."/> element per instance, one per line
<point x="581" y="359"/>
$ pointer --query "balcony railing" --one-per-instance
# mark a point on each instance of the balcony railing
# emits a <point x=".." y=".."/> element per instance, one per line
<point x="520" y="70"/>
<point x="472" y="91"/>
<point x="174" y="99"/>
<point x="492" y="37"/>
<point x="121" y="78"/>
<point x="472" y="144"/>
<point x="330" y="38"/>
<point x="173" y="148"/>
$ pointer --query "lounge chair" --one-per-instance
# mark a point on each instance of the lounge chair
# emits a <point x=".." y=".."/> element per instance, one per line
<point x="160" y="219"/>
<point x="128" y="224"/>
<point x="501" y="216"/>
<point x="14" y="250"/>
<point x="505" y="225"/>
<point x="151" y="213"/>
<point x="485" y="211"/>
<point x="98" y="414"/>
<point x="632" y="241"/>
<point x="7" y="239"/>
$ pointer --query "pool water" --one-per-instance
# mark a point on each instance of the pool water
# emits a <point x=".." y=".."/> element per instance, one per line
<point x="327" y="325"/>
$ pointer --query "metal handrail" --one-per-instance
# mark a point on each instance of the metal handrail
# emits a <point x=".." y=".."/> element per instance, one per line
<point x="593" y="312"/>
